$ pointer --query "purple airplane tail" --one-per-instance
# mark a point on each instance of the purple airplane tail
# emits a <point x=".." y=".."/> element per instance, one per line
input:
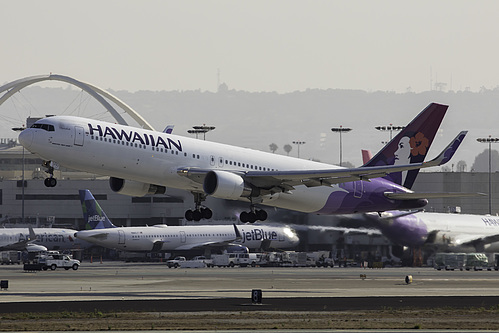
<point x="411" y="144"/>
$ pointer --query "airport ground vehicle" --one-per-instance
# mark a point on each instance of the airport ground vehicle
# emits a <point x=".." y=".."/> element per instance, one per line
<point x="231" y="260"/>
<point x="321" y="258"/>
<point x="450" y="261"/>
<point x="476" y="261"/>
<point x="175" y="262"/>
<point x="257" y="259"/>
<point x="10" y="257"/>
<point x="182" y="262"/>
<point x="461" y="261"/>
<point x="202" y="259"/>
<point x="54" y="259"/>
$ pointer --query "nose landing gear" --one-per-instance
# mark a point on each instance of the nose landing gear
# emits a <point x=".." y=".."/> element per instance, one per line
<point x="50" y="181"/>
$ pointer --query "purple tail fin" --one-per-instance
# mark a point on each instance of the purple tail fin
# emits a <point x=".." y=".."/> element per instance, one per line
<point x="411" y="145"/>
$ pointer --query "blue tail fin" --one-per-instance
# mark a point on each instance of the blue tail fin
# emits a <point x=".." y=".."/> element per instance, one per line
<point x="411" y="145"/>
<point x="94" y="216"/>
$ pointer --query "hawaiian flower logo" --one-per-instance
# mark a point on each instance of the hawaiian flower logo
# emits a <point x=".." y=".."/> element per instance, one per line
<point x="419" y="144"/>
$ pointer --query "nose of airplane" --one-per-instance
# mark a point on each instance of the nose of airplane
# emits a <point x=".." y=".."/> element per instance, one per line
<point x="26" y="138"/>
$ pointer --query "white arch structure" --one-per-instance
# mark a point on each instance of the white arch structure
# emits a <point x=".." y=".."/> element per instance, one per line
<point x="94" y="91"/>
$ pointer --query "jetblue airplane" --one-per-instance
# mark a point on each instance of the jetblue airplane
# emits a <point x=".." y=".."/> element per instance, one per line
<point x="37" y="239"/>
<point x="439" y="231"/>
<point x="141" y="162"/>
<point x="101" y="231"/>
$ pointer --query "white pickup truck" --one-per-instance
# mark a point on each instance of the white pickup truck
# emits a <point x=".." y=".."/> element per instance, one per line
<point x="53" y="261"/>
<point x="182" y="262"/>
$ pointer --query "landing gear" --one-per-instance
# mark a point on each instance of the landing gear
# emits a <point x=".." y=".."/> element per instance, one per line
<point x="199" y="212"/>
<point x="50" y="181"/>
<point x="253" y="215"/>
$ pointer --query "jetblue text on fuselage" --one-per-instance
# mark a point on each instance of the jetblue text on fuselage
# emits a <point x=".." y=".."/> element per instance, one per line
<point x="258" y="235"/>
<point x="134" y="137"/>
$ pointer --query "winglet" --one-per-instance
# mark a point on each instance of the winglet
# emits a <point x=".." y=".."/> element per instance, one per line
<point x="94" y="216"/>
<point x="448" y="152"/>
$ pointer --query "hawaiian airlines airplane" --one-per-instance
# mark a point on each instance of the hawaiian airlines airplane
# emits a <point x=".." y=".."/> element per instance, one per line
<point x="37" y="239"/>
<point x="439" y="231"/>
<point x="141" y="162"/>
<point x="101" y="231"/>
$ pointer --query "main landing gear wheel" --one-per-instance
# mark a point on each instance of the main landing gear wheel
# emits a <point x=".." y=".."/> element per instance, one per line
<point x="198" y="214"/>
<point x="50" y="182"/>
<point x="253" y="216"/>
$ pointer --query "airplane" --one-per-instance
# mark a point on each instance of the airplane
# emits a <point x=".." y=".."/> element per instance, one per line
<point x="439" y="231"/>
<point x="141" y="162"/>
<point x="101" y="231"/>
<point x="37" y="239"/>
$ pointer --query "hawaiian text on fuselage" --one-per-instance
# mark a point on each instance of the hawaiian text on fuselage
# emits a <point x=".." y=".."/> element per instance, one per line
<point x="134" y="137"/>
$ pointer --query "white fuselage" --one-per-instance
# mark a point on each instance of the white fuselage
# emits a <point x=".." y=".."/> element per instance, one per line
<point x="456" y="230"/>
<point x="51" y="238"/>
<point x="443" y="232"/>
<point x="154" y="158"/>
<point x="178" y="238"/>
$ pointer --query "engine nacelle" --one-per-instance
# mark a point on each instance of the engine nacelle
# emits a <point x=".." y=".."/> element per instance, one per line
<point x="35" y="247"/>
<point x="133" y="188"/>
<point x="226" y="185"/>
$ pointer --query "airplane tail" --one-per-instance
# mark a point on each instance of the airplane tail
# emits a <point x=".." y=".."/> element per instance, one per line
<point x="94" y="216"/>
<point x="411" y="144"/>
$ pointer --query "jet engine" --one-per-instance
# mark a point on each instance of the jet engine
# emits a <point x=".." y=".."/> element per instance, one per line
<point x="226" y="185"/>
<point x="133" y="188"/>
<point x="35" y="247"/>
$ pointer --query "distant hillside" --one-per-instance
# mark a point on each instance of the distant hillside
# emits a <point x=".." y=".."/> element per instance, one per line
<point x="256" y="120"/>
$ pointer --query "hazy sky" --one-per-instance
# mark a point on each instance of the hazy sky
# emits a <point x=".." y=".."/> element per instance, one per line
<point x="257" y="45"/>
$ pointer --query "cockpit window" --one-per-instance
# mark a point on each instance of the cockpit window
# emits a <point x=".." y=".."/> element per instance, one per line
<point x="46" y="127"/>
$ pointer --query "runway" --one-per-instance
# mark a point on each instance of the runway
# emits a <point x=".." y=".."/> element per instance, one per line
<point x="153" y="286"/>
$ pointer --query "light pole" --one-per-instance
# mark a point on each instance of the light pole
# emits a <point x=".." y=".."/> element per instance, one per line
<point x="201" y="129"/>
<point x="20" y="129"/>
<point x="340" y="130"/>
<point x="489" y="140"/>
<point x="389" y="128"/>
<point x="299" y="143"/>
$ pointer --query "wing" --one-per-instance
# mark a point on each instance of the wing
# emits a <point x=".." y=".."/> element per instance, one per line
<point x="203" y="245"/>
<point x="17" y="246"/>
<point x="475" y="240"/>
<point x="279" y="181"/>
<point x="207" y="243"/>
<point x="21" y="245"/>
<point x="430" y="195"/>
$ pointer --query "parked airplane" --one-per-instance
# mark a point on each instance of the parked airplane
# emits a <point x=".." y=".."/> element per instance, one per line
<point x="37" y="239"/>
<point x="101" y="231"/>
<point x="141" y="162"/>
<point x="439" y="231"/>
